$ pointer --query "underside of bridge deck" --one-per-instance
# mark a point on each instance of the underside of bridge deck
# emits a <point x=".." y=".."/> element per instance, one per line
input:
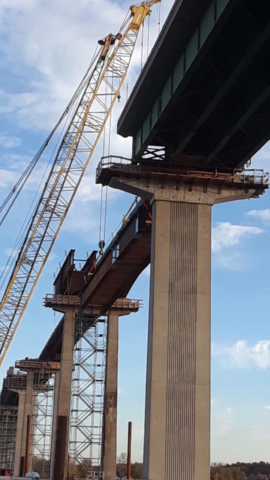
<point x="114" y="273"/>
<point x="213" y="107"/>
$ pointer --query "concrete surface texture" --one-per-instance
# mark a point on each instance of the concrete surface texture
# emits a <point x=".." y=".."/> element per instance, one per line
<point x="110" y="410"/>
<point x="177" y="414"/>
<point x="60" y="460"/>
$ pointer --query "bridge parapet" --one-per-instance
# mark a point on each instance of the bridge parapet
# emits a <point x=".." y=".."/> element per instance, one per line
<point x="29" y="364"/>
<point x="127" y="304"/>
<point x="52" y="300"/>
<point x="15" y="382"/>
<point x="176" y="177"/>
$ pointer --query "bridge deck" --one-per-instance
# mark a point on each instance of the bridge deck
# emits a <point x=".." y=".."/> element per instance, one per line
<point x="125" y="258"/>
<point x="213" y="107"/>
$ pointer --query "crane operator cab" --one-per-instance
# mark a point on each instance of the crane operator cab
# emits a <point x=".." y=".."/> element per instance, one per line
<point x="107" y="42"/>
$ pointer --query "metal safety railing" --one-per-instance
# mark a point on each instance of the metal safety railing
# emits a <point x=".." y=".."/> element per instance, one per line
<point x="250" y="176"/>
<point x="57" y="299"/>
<point x="254" y="176"/>
<point x="127" y="304"/>
<point x="37" y="365"/>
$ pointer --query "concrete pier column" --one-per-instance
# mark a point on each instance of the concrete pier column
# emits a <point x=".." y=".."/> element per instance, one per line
<point x="25" y="409"/>
<point x="122" y="307"/>
<point x="60" y="457"/>
<point x="28" y="409"/>
<point x="54" y="421"/>
<point x="177" y="413"/>
<point x="110" y="410"/>
<point x="19" y="432"/>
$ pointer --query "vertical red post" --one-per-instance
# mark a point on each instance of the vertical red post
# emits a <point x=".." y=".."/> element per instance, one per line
<point x="129" y="451"/>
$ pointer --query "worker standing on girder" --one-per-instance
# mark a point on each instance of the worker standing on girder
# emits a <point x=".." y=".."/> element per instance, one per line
<point x="109" y="40"/>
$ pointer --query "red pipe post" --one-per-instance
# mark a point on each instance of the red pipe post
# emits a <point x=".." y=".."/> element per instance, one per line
<point x="129" y="451"/>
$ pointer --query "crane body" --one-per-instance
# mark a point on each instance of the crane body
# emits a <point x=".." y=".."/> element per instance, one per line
<point x="73" y="156"/>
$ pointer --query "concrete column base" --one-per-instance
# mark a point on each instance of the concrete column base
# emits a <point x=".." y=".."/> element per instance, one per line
<point x="177" y="413"/>
<point x="60" y="456"/>
<point x="121" y="307"/>
<point x="110" y="400"/>
<point x="20" y="420"/>
<point x="25" y="409"/>
<point x="54" y="423"/>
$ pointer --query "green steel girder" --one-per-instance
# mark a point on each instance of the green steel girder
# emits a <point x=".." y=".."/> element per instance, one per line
<point x="213" y="107"/>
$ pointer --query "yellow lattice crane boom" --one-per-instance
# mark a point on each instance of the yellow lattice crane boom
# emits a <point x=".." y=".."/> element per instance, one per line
<point x="102" y="88"/>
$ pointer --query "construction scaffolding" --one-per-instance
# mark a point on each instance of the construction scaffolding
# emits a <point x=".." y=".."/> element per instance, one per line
<point x="8" y="428"/>
<point x="88" y="385"/>
<point x="41" y="432"/>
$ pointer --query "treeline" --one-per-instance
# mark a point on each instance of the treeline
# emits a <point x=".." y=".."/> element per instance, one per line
<point x="121" y="468"/>
<point x="241" y="471"/>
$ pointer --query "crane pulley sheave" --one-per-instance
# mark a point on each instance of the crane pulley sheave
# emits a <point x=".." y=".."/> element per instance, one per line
<point x="73" y="156"/>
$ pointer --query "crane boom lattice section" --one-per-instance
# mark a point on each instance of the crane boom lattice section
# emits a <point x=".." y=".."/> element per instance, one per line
<point x="72" y="159"/>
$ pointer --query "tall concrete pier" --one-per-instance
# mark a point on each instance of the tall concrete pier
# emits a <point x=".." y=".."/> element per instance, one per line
<point x="60" y="458"/>
<point x="122" y="307"/>
<point x="177" y="412"/>
<point x="110" y="406"/>
<point x="25" y="409"/>
<point x="193" y="131"/>
<point x="177" y="407"/>
<point x="70" y="306"/>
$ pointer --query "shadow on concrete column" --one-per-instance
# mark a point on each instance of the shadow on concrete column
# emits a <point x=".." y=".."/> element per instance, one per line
<point x="122" y="307"/>
<point x="25" y="410"/>
<point x="177" y="412"/>
<point x="54" y="422"/>
<point x="110" y="401"/>
<point x="17" y="460"/>
<point x="177" y="408"/>
<point x="60" y="454"/>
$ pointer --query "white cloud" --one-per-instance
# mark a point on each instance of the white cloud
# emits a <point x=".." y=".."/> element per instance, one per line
<point x="90" y="191"/>
<point x="232" y="261"/>
<point x="267" y="407"/>
<point x="8" y="141"/>
<point x="241" y="355"/>
<point x="263" y="215"/>
<point x="49" y="45"/>
<point x="221" y="421"/>
<point x="82" y="218"/>
<point x="7" y="178"/>
<point x="225" y="235"/>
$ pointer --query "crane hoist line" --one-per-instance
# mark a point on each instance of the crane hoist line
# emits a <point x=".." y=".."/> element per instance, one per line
<point x="72" y="158"/>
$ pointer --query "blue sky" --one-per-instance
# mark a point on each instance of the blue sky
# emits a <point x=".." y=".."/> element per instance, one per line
<point x="45" y="48"/>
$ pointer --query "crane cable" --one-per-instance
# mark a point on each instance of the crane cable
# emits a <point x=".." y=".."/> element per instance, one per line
<point x="19" y="240"/>
<point x="101" y="187"/>
<point x="148" y="36"/>
<point x="142" y="46"/>
<point x="159" y="16"/>
<point x="37" y="247"/>
<point x="106" y="194"/>
<point x="29" y="169"/>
